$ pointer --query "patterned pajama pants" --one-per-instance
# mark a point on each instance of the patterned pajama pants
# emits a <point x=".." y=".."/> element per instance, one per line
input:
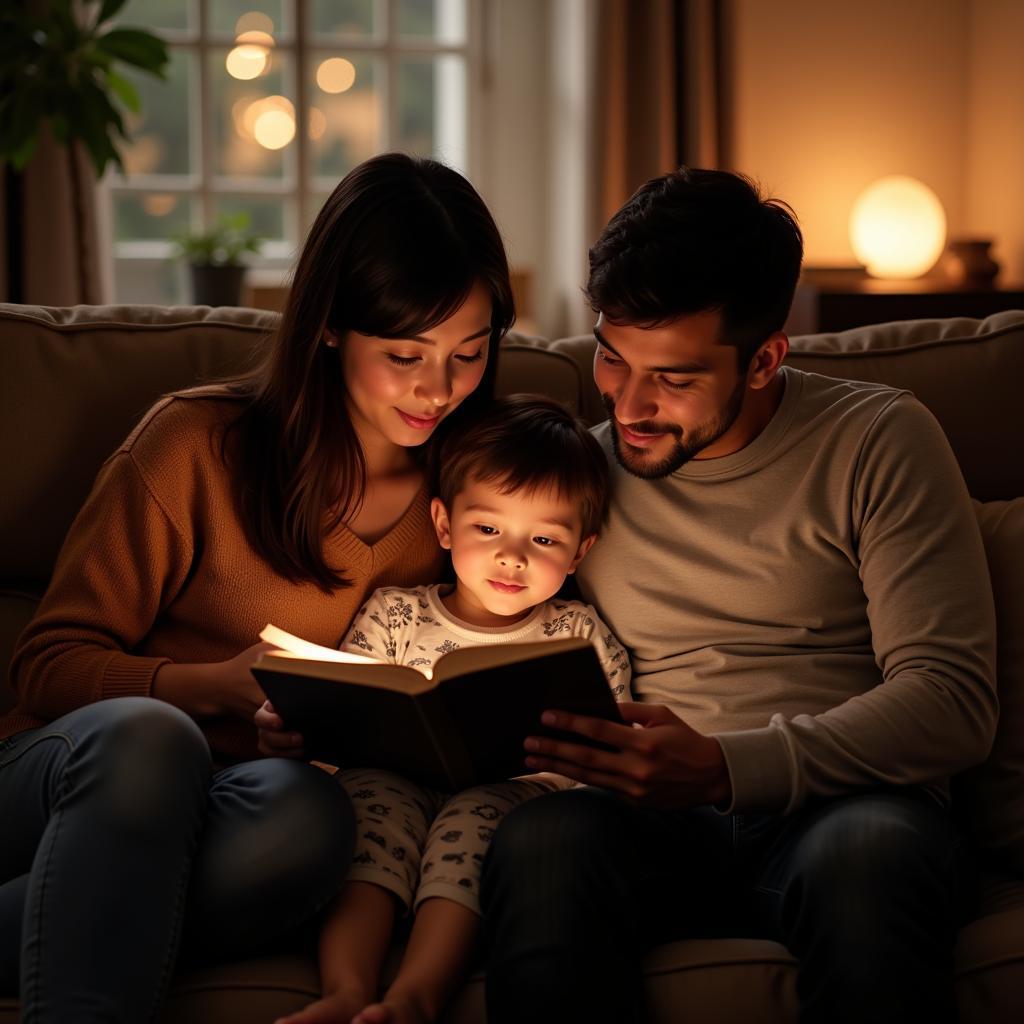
<point x="418" y="842"/>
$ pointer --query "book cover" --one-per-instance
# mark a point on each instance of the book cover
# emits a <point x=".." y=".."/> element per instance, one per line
<point x="462" y="725"/>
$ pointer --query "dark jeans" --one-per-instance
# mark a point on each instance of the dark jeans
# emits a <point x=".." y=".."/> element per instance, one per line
<point x="579" y="884"/>
<point x="118" y="837"/>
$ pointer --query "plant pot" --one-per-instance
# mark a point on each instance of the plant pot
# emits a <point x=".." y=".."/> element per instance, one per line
<point x="214" y="285"/>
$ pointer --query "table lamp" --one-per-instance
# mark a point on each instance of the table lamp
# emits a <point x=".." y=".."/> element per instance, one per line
<point x="897" y="227"/>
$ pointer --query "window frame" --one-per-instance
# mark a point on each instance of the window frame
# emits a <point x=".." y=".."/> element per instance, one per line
<point x="297" y="188"/>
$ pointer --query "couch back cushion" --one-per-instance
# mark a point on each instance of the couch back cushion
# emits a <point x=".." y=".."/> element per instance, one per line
<point x="966" y="372"/>
<point x="76" y="382"/>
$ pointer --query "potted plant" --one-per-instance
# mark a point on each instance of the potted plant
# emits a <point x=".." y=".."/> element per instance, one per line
<point x="59" y="65"/>
<point x="215" y="259"/>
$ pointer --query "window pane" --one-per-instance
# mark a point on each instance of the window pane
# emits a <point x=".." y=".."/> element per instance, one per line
<point x="237" y="16"/>
<point x="431" y="108"/>
<point x="159" y="282"/>
<point x="253" y="120"/>
<point x="160" y="133"/>
<point x="266" y="214"/>
<point x="345" y="117"/>
<point x="316" y="202"/>
<point x="143" y="216"/>
<point x="443" y="21"/>
<point x="158" y="14"/>
<point x="360" y="18"/>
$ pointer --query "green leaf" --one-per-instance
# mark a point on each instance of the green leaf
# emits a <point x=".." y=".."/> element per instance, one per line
<point x="19" y="123"/>
<point x="61" y="128"/>
<point x="93" y="125"/>
<point x="21" y="156"/>
<point x="126" y="91"/>
<point x="109" y="9"/>
<point x="135" y="47"/>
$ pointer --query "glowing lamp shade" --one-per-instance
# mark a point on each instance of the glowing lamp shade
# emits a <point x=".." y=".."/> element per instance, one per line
<point x="897" y="227"/>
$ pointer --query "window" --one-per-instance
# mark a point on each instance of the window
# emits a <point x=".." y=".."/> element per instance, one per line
<point x="267" y="104"/>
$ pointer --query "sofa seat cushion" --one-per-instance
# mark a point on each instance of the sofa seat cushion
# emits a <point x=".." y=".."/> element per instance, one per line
<point x="716" y="980"/>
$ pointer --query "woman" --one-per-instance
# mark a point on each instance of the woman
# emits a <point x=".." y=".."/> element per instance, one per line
<point x="284" y="496"/>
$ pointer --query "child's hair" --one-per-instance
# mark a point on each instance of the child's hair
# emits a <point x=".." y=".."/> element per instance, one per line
<point x="529" y="442"/>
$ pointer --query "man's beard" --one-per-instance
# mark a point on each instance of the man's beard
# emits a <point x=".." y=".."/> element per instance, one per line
<point x="684" y="449"/>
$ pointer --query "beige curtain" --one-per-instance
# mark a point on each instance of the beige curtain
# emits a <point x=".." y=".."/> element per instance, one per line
<point x="52" y="255"/>
<point x="660" y="83"/>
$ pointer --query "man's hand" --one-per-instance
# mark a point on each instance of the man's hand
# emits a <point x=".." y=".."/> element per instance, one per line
<point x="663" y="764"/>
<point x="273" y="739"/>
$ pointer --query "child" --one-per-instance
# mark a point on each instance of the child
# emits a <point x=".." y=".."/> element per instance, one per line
<point x="521" y="498"/>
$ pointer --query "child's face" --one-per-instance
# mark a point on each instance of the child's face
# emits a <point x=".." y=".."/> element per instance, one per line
<point x="510" y="551"/>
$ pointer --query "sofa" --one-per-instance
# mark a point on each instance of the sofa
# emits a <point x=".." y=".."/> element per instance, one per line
<point x="75" y="380"/>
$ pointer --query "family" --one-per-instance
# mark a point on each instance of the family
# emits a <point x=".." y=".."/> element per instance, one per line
<point x="781" y="574"/>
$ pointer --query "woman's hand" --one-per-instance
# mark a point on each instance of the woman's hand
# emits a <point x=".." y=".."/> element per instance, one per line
<point x="239" y="693"/>
<point x="274" y="740"/>
<point x="214" y="688"/>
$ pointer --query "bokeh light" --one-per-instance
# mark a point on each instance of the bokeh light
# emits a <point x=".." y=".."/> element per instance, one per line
<point x="336" y="75"/>
<point x="247" y="61"/>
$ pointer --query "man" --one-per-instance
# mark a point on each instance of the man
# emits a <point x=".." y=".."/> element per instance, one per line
<point x="795" y="566"/>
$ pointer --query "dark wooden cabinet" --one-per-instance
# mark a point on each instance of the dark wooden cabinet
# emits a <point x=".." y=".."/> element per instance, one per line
<point x="838" y="300"/>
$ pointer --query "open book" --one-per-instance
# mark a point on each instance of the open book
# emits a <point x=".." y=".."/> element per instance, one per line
<point x="464" y="724"/>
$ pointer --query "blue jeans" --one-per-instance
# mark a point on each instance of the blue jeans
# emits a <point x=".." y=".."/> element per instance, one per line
<point x="120" y="842"/>
<point x="579" y="884"/>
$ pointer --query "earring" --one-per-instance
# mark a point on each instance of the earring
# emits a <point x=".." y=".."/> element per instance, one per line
<point x="330" y="342"/>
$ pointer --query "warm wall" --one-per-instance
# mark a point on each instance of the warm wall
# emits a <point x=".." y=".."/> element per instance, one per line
<point x="995" y="130"/>
<point x="830" y="96"/>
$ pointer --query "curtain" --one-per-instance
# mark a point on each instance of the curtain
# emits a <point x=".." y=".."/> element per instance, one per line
<point x="637" y="87"/>
<point x="51" y="243"/>
<point x="660" y="82"/>
<point x="49" y="239"/>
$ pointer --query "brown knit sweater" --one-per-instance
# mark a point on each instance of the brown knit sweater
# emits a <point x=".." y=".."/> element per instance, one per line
<point x="156" y="568"/>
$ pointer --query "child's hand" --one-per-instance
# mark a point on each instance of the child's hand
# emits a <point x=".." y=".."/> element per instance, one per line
<point x="273" y="739"/>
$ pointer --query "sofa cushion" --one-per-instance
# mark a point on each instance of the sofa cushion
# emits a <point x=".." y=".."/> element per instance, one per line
<point x="535" y="369"/>
<point x="79" y="379"/>
<point x="991" y="796"/>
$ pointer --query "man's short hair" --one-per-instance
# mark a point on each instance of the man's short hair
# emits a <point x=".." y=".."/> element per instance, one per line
<point x="529" y="443"/>
<point x="698" y="240"/>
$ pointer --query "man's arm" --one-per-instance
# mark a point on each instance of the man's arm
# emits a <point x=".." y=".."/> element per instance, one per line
<point x="929" y="605"/>
<point x="922" y="566"/>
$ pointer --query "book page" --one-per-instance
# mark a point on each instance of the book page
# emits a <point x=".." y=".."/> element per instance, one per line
<point x="298" y="648"/>
<point x="464" y="660"/>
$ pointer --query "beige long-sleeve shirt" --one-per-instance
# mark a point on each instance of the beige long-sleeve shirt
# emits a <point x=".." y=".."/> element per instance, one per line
<point x="818" y="601"/>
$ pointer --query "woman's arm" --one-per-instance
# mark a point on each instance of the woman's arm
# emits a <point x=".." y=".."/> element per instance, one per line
<point x="126" y="557"/>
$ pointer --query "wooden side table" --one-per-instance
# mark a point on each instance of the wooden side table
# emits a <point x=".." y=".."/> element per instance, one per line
<point x="838" y="300"/>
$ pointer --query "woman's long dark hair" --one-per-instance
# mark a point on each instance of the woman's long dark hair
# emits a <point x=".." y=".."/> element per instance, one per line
<point x="394" y="252"/>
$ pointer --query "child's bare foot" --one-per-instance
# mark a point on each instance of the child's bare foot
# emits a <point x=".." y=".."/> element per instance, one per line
<point x="395" y="1009"/>
<point x="336" y="1008"/>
